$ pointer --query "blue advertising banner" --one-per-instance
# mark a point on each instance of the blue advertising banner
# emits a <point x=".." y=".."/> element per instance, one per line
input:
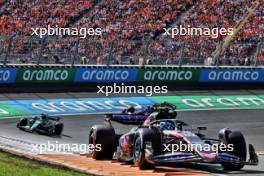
<point x="8" y="75"/>
<point x="106" y="75"/>
<point x="232" y="75"/>
<point x="72" y="106"/>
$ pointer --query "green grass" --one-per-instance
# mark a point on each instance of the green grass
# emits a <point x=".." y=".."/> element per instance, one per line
<point x="11" y="165"/>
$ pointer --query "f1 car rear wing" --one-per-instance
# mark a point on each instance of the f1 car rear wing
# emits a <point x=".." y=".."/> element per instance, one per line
<point x="127" y="119"/>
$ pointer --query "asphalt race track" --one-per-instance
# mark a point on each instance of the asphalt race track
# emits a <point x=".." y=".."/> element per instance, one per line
<point x="250" y="122"/>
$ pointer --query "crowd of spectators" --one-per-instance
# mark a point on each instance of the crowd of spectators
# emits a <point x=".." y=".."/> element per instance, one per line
<point x="124" y="25"/>
<point x="131" y="28"/>
<point x="219" y="14"/>
<point x="261" y="57"/>
<point x="22" y="15"/>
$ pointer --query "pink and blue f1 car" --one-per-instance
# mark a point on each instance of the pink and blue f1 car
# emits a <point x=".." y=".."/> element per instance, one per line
<point x="159" y="138"/>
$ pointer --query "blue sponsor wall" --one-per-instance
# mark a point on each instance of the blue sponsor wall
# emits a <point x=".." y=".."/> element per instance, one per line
<point x="105" y="75"/>
<point x="129" y="75"/>
<point x="232" y="75"/>
<point x="8" y="75"/>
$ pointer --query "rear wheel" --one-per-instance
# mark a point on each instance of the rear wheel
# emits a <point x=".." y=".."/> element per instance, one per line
<point x="237" y="139"/>
<point x="51" y="130"/>
<point x="58" y="129"/>
<point x="103" y="137"/>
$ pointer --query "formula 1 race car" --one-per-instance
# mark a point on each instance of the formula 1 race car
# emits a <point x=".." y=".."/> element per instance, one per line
<point x="156" y="140"/>
<point x="130" y="114"/>
<point x="42" y="124"/>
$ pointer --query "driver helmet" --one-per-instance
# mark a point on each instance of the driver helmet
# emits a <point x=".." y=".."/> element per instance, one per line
<point x="131" y="109"/>
<point x="172" y="113"/>
<point x="44" y="116"/>
<point x="149" y="109"/>
<point x="34" y="118"/>
<point x="166" y="126"/>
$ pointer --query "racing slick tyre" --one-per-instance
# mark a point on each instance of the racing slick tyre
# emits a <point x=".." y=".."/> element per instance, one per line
<point x="239" y="149"/>
<point x="49" y="131"/>
<point x="22" y="122"/>
<point x="103" y="136"/>
<point x="144" y="139"/>
<point x="58" y="129"/>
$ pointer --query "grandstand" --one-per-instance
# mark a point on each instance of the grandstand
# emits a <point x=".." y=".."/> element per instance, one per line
<point x="131" y="29"/>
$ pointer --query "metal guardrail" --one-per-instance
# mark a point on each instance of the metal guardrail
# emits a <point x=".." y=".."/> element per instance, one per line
<point x="136" y="66"/>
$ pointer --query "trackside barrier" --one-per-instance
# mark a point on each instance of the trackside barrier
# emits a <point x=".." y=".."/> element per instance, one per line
<point x="92" y="75"/>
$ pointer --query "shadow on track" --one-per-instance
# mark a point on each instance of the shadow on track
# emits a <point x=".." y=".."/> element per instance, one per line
<point x="66" y="136"/>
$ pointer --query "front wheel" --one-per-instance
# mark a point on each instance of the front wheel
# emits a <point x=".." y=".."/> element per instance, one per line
<point x="22" y="123"/>
<point x="139" y="155"/>
<point x="237" y="139"/>
<point x="147" y="144"/>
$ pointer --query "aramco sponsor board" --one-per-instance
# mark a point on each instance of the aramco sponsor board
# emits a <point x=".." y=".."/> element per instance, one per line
<point x="44" y="75"/>
<point x="168" y="75"/>
<point x="106" y="75"/>
<point x="120" y="74"/>
<point x="8" y="75"/>
<point x="232" y="75"/>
